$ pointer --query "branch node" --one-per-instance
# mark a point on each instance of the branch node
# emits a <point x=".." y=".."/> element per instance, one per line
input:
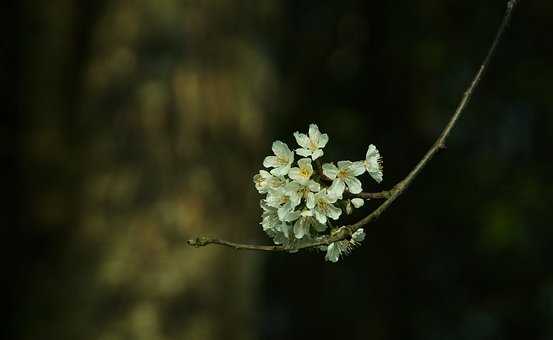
<point x="198" y="242"/>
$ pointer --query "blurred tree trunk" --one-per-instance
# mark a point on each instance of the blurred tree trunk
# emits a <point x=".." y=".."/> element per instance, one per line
<point x="145" y="116"/>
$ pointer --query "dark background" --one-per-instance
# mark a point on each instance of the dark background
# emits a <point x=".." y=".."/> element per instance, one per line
<point x="140" y="124"/>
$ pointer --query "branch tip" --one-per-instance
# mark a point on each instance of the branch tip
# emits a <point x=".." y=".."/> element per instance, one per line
<point x="391" y="195"/>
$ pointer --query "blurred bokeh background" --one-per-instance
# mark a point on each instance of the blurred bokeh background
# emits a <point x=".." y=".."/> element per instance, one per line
<point x="141" y="124"/>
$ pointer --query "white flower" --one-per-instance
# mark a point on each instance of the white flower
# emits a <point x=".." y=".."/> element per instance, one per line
<point x="321" y="204"/>
<point x="271" y="223"/>
<point x="304" y="221"/>
<point x="339" y="248"/>
<point x="344" y="175"/>
<point x="332" y="253"/>
<point x="264" y="181"/>
<point x="358" y="202"/>
<point x="358" y="235"/>
<point x="303" y="191"/>
<point x="302" y="174"/>
<point x="355" y="202"/>
<point x="282" y="161"/>
<point x="312" y="145"/>
<point x="373" y="163"/>
<point x="269" y="217"/>
<point x="284" y="200"/>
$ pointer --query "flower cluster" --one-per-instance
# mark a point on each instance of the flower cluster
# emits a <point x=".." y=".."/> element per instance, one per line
<point x="302" y="201"/>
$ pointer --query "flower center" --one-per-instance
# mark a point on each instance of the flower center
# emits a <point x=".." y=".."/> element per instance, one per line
<point x="342" y="174"/>
<point x="282" y="160"/>
<point x="312" y="145"/>
<point x="275" y="182"/>
<point x="322" y="205"/>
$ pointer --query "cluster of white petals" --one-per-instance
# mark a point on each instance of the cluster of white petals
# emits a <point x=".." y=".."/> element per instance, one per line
<point x="303" y="203"/>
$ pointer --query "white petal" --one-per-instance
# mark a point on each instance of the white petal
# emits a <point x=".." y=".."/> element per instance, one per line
<point x="354" y="185"/>
<point x="305" y="163"/>
<point x="358" y="202"/>
<point x="357" y="168"/>
<point x="260" y="183"/>
<point x="301" y="139"/>
<point x="320" y="217"/>
<point x="292" y="188"/>
<point x="294" y="174"/>
<point x="285" y="228"/>
<point x="317" y="153"/>
<point x="280" y="148"/>
<point x="337" y="187"/>
<point x="303" y="152"/>
<point x="270" y="162"/>
<point x="344" y="164"/>
<point x="313" y="186"/>
<point x="323" y="139"/>
<point x="314" y="132"/>
<point x="332" y="253"/>
<point x="376" y="175"/>
<point x="274" y="198"/>
<point x="331" y="196"/>
<point x="372" y="152"/>
<point x="292" y="216"/>
<point x="348" y="207"/>
<point x="300" y="229"/>
<point x="295" y="200"/>
<point x="334" y="212"/>
<point x="281" y="170"/>
<point x="275" y="182"/>
<point x="330" y="170"/>
<point x="283" y="212"/>
<point x="358" y="235"/>
<point x="307" y="213"/>
<point x="310" y="201"/>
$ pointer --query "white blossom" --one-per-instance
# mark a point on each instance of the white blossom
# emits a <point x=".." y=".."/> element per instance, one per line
<point x="373" y="163"/>
<point x="284" y="200"/>
<point x="281" y="161"/>
<point x="270" y="222"/>
<point x="358" y="202"/>
<point x="269" y="217"/>
<point x="303" y="172"/>
<point x="332" y="253"/>
<point x="358" y="235"/>
<point x="303" y="191"/>
<point x="339" y="248"/>
<point x="298" y="202"/>
<point x="344" y="175"/>
<point x="311" y="145"/>
<point x="321" y="204"/>
<point x="304" y="220"/>
<point x="264" y="181"/>
<point x="354" y="203"/>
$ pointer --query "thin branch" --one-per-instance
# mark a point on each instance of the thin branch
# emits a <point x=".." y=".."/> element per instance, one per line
<point x="339" y="234"/>
<point x="398" y="189"/>
<point x="372" y="195"/>
<point x="204" y="241"/>
<point x="440" y="142"/>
